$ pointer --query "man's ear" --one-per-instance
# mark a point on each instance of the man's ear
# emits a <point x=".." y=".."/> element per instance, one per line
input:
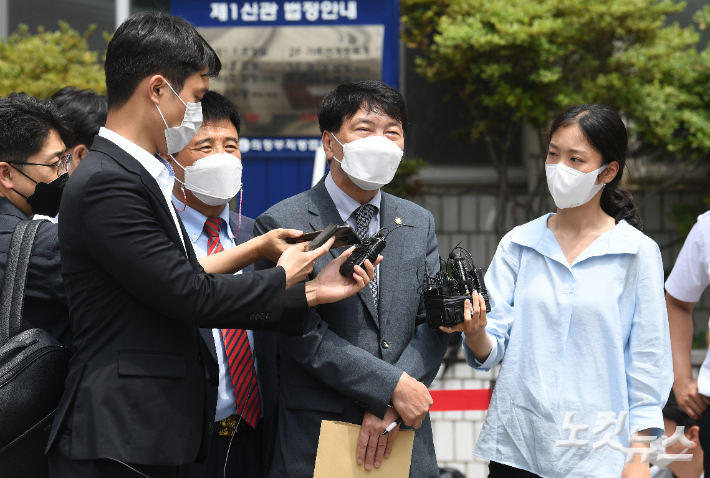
<point x="693" y="434"/>
<point x="610" y="172"/>
<point x="328" y="145"/>
<point x="157" y="88"/>
<point x="7" y="176"/>
<point x="80" y="152"/>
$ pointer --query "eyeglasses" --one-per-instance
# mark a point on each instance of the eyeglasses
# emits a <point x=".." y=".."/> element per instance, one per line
<point x="62" y="165"/>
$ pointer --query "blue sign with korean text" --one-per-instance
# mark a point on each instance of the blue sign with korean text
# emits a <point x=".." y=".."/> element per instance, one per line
<point x="279" y="59"/>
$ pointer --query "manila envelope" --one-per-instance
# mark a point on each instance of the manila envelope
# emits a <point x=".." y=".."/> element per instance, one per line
<point x="336" y="453"/>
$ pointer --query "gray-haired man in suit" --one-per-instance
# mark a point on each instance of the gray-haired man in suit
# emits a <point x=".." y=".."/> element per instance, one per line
<point x="362" y="360"/>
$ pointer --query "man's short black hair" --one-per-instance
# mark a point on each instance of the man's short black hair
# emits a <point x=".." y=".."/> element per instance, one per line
<point x="25" y="124"/>
<point x="672" y="411"/>
<point x="216" y="107"/>
<point x="344" y="101"/>
<point x="85" y="110"/>
<point x="151" y="43"/>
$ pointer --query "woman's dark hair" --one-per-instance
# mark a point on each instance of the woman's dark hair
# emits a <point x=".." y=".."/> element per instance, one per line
<point x="85" y="110"/>
<point x="672" y="411"/>
<point x="154" y="43"/>
<point x="344" y="101"/>
<point x="25" y="124"/>
<point x="605" y="132"/>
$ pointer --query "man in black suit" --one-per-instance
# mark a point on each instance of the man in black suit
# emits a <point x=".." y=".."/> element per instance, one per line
<point x="243" y="436"/>
<point x="32" y="151"/>
<point x="135" y="403"/>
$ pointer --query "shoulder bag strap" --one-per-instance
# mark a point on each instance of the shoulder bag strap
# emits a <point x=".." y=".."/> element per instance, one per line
<point x="12" y="300"/>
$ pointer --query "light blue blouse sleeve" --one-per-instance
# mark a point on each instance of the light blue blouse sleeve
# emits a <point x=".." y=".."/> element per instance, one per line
<point x="500" y="282"/>
<point x="648" y="357"/>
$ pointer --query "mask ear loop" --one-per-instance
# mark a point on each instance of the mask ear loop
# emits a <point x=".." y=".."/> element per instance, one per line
<point x="241" y="196"/>
<point x="182" y="185"/>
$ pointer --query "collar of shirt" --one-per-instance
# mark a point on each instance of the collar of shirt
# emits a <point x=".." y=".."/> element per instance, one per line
<point x="194" y="222"/>
<point x="157" y="168"/>
<point x="622" y="239"/>
<point x="346" y="205"/>
<point x="147" y="160"/>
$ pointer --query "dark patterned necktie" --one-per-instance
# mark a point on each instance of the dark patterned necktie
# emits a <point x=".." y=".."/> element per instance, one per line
<point x="363" y="215"/>
<point x="237" y="348"/>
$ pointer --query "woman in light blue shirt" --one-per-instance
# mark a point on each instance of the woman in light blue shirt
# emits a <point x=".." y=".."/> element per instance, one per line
<point x="578" y="310"/>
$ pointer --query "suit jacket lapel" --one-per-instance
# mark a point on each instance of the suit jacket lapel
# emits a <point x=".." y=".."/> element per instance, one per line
<point x="324" y="213"/>
<point x="131" y="164"/>
<point x="389" y="267"/>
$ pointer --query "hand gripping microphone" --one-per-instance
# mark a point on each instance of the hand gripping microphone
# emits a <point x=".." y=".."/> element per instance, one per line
<point x="445" y="292"/>
<point x="369" y="248"/>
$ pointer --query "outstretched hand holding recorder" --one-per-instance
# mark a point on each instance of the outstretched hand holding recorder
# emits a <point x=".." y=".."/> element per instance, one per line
<point x="330" y="285"/>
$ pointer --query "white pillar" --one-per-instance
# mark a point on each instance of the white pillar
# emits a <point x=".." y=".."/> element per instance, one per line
<point x="4" y="19"/>
<point x="123" y="11"/>
<point x="319" y="163"/>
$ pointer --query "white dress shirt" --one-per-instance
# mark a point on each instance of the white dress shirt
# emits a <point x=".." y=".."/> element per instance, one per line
<point x="347" y="206"/>
<point x="155" y="167"/>
<point x="691" y="276"/>
<point x="194" y="223"/>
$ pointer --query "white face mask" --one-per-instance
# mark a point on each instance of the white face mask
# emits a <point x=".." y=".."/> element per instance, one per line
<point x="572" y="188"/>
<point x="370" y="162"/>
<point x="214" y="179"/>
<point x="177" y="138"/>
<point x="659" y="449"/>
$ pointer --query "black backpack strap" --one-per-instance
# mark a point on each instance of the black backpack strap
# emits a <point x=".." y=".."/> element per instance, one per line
<point x="12" y="300"/>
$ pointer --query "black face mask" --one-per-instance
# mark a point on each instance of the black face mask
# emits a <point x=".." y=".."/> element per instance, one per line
<point x="47" y="196"/>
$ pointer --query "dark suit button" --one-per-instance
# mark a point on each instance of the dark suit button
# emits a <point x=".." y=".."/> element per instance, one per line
<point x="384" y="344"/>
<point x="199" y="358"/>
<point x="214" y="377"/>
<point x="209" y="426"/>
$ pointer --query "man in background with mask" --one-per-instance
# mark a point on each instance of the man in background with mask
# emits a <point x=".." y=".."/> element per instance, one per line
<point x="208" y="174"/>
<point x="33" y="171"/>
<point x="673" y="417"/>
<point x="85" y="111"/>
<point x="135" y="398"/>
<point x="362" y="360"/>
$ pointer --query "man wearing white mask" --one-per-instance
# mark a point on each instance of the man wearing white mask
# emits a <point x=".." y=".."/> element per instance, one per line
<point x="208" y="174"/>
<point x="689" y="445"/>
<point x="363" y="360"/>
<point x="135" y="398"/>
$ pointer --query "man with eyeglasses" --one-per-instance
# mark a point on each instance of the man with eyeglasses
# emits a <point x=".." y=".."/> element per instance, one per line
<point x="33" y="171"/>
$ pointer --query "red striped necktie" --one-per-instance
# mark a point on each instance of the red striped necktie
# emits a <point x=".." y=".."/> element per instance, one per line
<point x="237" y="348"/>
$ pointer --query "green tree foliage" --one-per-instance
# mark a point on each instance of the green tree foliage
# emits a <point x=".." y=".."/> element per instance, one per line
<point x="515" y="61"/>
<point x="404" y="184"/>
<point x="43" y="63"/>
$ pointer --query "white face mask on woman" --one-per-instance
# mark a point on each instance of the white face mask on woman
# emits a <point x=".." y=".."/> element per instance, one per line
<point x="370" y="162"/>
<point x="178" y="137"/>
<point x="572" y="188"/>
<point x="214" y="179"/>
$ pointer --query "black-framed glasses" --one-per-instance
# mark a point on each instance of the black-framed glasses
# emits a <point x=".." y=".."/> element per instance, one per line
<point x="62" y="165"/>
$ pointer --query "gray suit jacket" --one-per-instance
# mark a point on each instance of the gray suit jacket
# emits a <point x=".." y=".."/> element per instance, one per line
<point x="351" y="355"/>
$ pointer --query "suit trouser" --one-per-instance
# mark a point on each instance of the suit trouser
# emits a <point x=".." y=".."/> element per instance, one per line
<point x="704" y="439"/>
<point x="62" y="466"/>
<point x="499" y="470"/>
<point x="245" y="459"/>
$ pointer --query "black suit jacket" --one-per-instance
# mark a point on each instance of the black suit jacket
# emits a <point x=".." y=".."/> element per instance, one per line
<point x="265" y="349"/>
<point x="45" y="298"/>
<point x="136" y="385"/>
